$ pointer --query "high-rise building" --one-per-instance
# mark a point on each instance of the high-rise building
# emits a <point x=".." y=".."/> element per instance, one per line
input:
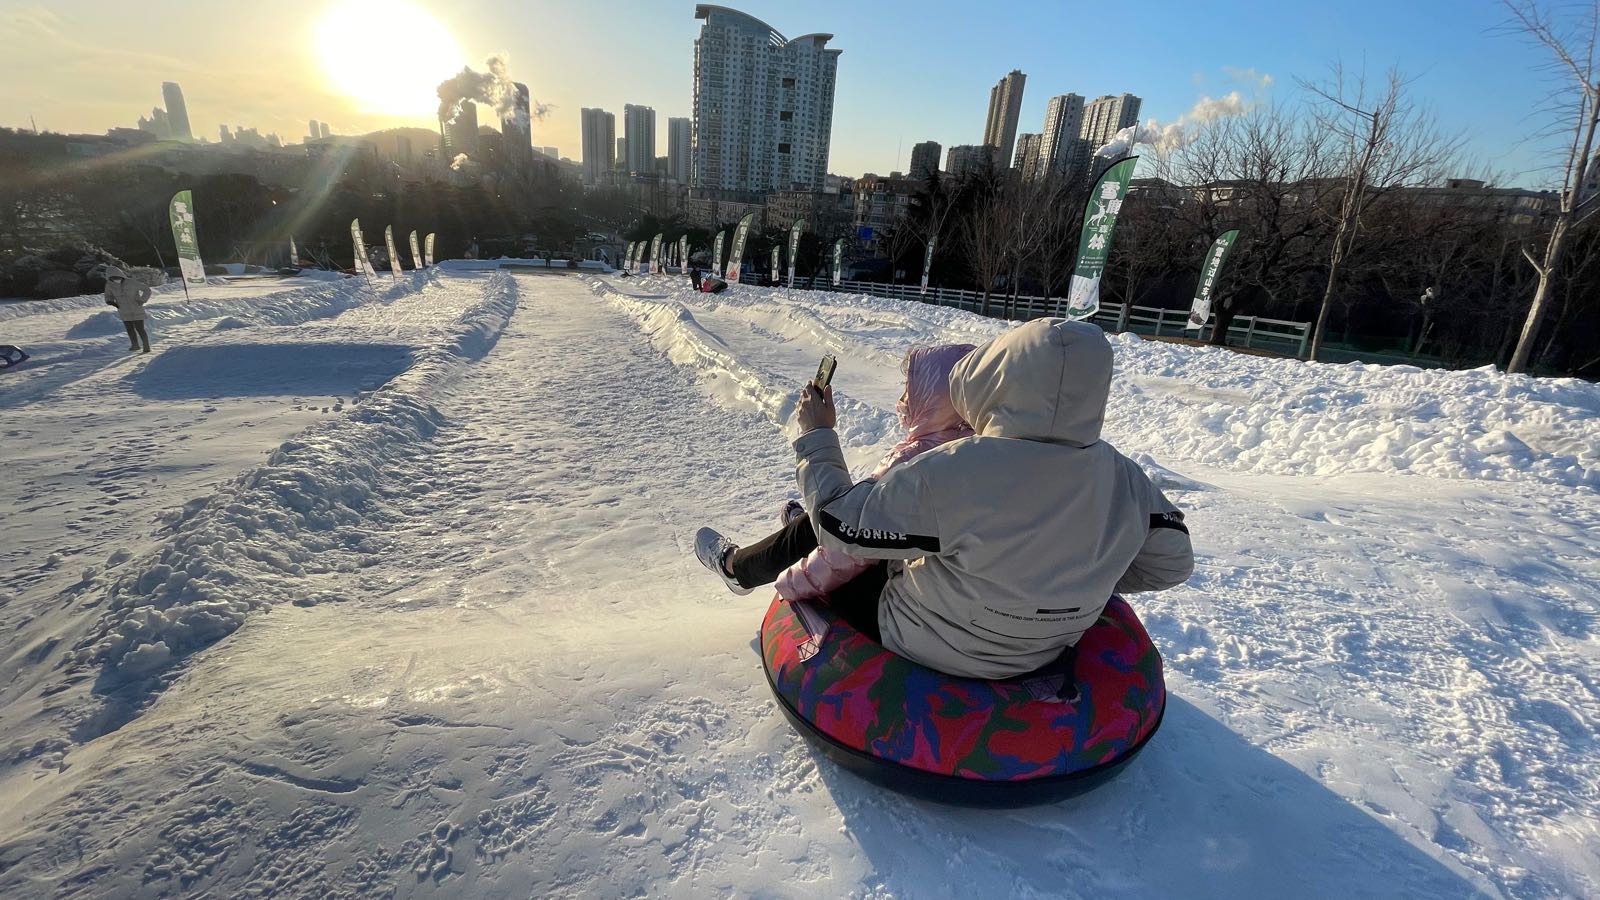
<point x="640" y="129"/>
<point x="1060" y="145"/>
<point x="925" y="160"/>
<point x="678" y="142"/>
<point x="1005" y="108"/>
<point x="551" y="152"/>
<point x="1027" y="161"/>
<point x="516" y="130"/>
<point x="223" y="137"/>
<point x="763" y="107"/>
<point x="315" y="133"/>
<point x="328" y="132"/>
<point x="599" y="144"/>
<point x="969" y="159"/>
<point x="1106" y="116"/>
<point x="156" y="124"/>
<point x="404" y="154"/>
<point x="177" y="111"/>
<point x="461" y="134"/>
<point x="622" y="154"/>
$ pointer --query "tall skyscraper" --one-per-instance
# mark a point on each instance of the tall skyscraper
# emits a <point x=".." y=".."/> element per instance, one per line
<point x="763" y="107"/>
<point x="177" y="111"/>
<point x="315" y="132"/>
<point x="1005" y="108"/>
<point x="461" y="135"/>
<point x="403" y="152"/>
<point x="622" y="154"/>
<point x="328" y="132"/>
<point x="599" y="144"/>
<point x="925" y="160"/>
<point x="640" y="128"/>
<point x="1060" y="145"/>
<point x="1027" y="161"/>
<point x="678" y="143"/>
<point x="516" y="131"/>
<point x="1106" y="116"/>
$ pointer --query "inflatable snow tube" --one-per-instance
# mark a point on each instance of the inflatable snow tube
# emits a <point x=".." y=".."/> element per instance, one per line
<point x="964" y="740"/>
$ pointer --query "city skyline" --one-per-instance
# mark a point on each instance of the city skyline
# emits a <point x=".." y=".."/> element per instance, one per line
<point x="891" y="95"/>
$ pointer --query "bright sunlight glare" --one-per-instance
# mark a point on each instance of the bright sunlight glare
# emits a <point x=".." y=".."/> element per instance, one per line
<point x="387" y="56"/>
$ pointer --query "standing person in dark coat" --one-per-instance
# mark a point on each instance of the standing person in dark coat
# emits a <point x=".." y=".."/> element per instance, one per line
<point x="129" y="298"/>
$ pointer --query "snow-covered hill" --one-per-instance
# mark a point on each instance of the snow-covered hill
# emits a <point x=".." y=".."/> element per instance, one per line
<point x="388" y="591"/>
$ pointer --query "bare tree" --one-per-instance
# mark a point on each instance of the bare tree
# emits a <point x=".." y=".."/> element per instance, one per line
<point x="1379" y="141"/>
<point x="1577" y="63"/>
<point x="986" y="236"/>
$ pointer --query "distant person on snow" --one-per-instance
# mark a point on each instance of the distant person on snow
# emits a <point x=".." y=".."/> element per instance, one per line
<point x="1003" y="547"/>
<point x="694" y="277"/>
<point x="129" y="298"/>
<point x="791" y="555"/>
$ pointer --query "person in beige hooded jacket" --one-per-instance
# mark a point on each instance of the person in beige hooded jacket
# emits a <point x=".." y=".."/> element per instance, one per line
<point x="1007" y="543"/>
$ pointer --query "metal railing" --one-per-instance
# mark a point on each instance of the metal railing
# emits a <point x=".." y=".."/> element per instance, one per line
<point x="1245" y="331"/>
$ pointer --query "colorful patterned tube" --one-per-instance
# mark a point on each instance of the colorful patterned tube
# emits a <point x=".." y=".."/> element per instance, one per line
<point x="963" y="740"/>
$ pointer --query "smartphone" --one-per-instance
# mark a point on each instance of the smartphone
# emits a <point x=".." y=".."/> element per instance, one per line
<point x="825" y="372"/>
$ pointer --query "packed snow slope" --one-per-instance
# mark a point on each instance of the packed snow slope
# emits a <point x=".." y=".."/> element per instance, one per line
<point x="387" y="590"/>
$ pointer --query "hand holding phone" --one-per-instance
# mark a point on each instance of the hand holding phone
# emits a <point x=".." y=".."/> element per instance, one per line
<point x="825" y="372"/>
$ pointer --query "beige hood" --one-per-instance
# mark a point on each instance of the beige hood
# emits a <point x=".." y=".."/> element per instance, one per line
<point x="1046" y="380"/>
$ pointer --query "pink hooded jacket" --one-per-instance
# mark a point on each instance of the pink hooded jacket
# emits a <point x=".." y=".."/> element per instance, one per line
<point x="929" y="419"/>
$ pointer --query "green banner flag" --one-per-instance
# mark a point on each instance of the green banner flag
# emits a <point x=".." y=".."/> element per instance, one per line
<point x="294" y="254"/>
<point x="838" y="261"/>
<point x="927" y="262"/>
<point x="184" y="234"/>
<point x="683" y="251"/>
<point x="655" y="255"/>
<point x="1215" y="259"/>
<point x="777" y="261"/>
<point x="363" y="264"/>
<point x="736" y="254"/>
<point x="427" y="250"/>
<point x="1099" y="219"/>
<point x="795" y="231"/>
<point x="416" y="254"/>
<point x="394" y="255"/>
<point x="716" y="254"/>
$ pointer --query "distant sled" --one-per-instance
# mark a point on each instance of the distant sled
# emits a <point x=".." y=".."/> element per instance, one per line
<point x="965" y="741"/>
<point x="11" y="356"/>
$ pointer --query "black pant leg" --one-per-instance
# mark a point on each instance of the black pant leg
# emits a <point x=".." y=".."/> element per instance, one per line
<point x="133" y="333"/>
<point x="762" y="562"/>
<point x="144" y="336"/>
<point x="857" y="600"/>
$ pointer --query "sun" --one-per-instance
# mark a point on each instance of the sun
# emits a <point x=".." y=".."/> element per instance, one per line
<point x="387" y="56"/>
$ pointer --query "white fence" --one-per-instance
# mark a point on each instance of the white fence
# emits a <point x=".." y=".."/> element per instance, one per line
<point x="1246" y="331"/>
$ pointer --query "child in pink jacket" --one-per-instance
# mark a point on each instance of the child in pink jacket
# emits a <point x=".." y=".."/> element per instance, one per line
<point x="803" y="571"/>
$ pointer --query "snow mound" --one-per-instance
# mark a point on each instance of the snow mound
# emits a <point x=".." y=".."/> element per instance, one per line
<point x="305" y="512"/>
<point x="1247" y="413"/>
<point x="674" y="330"/>
<point x="1274" y="416"/>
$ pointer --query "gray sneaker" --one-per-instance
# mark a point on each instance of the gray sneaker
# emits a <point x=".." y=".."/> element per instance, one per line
<point x="712" y="548"/>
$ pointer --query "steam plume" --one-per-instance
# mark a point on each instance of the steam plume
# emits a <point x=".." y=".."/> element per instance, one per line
<point x="1175" y="135"/>
<point x="494" y="89"/>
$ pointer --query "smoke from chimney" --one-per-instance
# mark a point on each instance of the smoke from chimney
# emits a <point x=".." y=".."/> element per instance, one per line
<point x="493" y="89"/>
<point x="460" y="160"/>
<point x="1176" y="135"/>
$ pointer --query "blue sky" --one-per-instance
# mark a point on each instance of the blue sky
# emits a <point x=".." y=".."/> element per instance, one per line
<point x="909" y="72"/>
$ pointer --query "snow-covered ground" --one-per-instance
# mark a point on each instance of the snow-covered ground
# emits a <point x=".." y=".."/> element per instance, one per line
<point x="388" y="590"/>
